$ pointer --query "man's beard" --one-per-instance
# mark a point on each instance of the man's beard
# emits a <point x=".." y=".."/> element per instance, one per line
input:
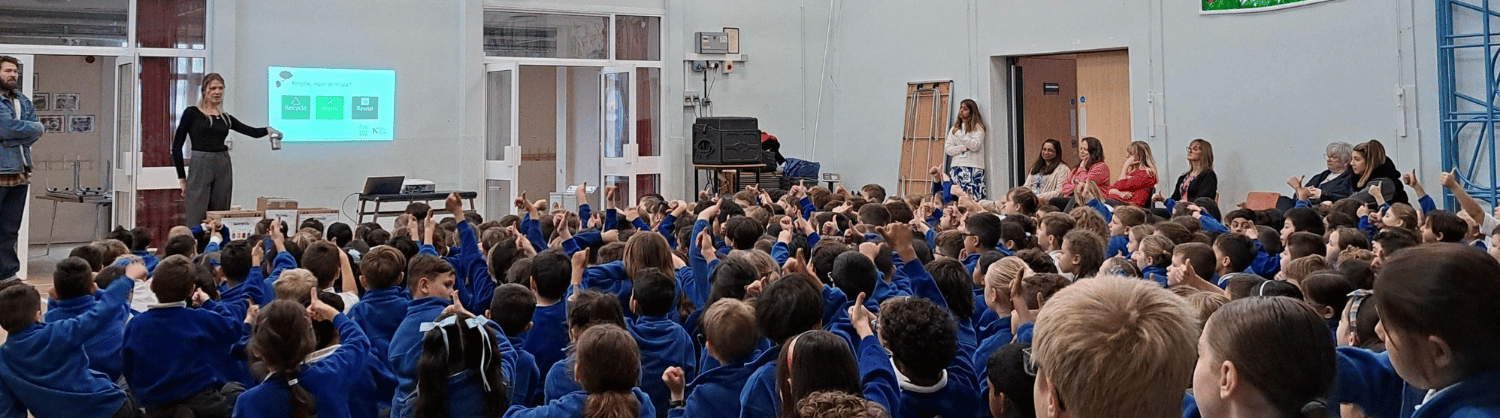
<point x="7" y="86"/>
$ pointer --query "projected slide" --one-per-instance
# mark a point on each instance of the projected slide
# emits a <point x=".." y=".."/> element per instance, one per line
<point x="332" y="105"/>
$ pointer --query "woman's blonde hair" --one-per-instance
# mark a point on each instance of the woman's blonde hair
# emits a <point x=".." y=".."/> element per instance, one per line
<point x="203" y="88"/>
<point x="1142" y="152"/>
<point x="1205" y="158"/>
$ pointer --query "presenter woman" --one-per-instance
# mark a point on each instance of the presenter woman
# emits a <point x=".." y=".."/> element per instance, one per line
<point x="211" y="183"/>
<point x="965" y="144"/>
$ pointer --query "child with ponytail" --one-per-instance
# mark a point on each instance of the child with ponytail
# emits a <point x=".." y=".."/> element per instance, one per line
<point x="460" y="373"/>
<point x="283" y="338"/>
<point x="607" y="365"/>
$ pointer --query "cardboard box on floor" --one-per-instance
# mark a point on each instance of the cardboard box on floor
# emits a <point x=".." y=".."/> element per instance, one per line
<point x="288" y="217"/>
<point x="325" y="215"/>
<point x="241" y="223"/>
<point x="265" y="203"/>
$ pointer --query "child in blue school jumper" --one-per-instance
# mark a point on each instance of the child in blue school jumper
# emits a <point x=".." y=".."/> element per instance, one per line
<point x="74" y="294"/>
<point x="512" y="307"/>
<point x="787" y="307"/>
<point x="430" y="281"/>
<point x="663" y="343"/>
<point x="373" y="378"/>
<point x="235" y="261"/>
<point x="729" y="327"/>
<point x="381" y="309"/>
<point x="1282" y="356"/>
<point x="303" y="382"/>
<point x="1432" y="368"/>
<point x="1124" y="218"/>
<point x="587" y="309"/>
<point x="462" y="371"/>
<point x="169" y="348"/>
<point x="1153" y="256"/>
<point x="44" y="368"/>
<point x="923" y="341"/>
<point x="608" y="370"/>
<point x="547" y="340"/>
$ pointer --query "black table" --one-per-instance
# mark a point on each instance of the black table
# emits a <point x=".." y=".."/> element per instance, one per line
<point x="375" y="213"/>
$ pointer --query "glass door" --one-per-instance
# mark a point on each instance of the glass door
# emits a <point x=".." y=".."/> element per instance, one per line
<point x="502" y="160"/>
<point x="617" y="132"/>
<point x="126" y="162"/>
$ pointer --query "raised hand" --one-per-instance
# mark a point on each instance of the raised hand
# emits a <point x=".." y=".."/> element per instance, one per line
<point x="581" y="193"/>
<point x="455" y="206"/>
<point x="1449" y="179"/>
<point x="319" y="311"/>
<point x="860" y="317"/>
<point x="675" y="381"/>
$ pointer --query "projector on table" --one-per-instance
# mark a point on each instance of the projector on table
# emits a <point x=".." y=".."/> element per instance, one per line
<point x="414" y="186"/>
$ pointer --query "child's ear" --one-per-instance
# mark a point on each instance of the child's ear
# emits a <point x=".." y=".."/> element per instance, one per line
<point x="1224" y="261"/>
<point x="363" y="283"/>
<point x="52" y="294"/>
<point x="487" y="314"/>
<point x="528" y="325"/>
<point x="1010" y="244"/>
<point x="1328" y="312"/>
<point x="633" y="305"/>
<point x="531" y="282"/>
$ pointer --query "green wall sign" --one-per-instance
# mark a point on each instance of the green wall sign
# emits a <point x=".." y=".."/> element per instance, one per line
<point x="1245" y="6"/>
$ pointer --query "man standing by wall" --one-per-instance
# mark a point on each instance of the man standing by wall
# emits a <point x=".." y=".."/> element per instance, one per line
<point x="18" y="130"/>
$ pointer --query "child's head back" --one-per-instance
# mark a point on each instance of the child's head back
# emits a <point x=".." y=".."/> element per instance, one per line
<point x="1450" y="281"/>
<point x="853" y="273"/>
<point x="1130" y="216"/>
<point x="986" y="227"/>
<point x="382" y="267"/>
<point x="1326" y="291"/>
<point x="1303" y="244"/>
<point x="89" y="254"/>
<point x="552" y="272"/>
<point x="322" y="259"/>
<point x="838" y="404"/>
<point x="921" y="336"/>
<point x="282" y="336"/>
<point x="512" y="307"/>
<point x="294" y="285"/>
<point x="1444" y="226"/>
<point x="20" y="306"/>
<point x="729" y="326"/>
<point x="588" y="308"/>
<point x="653" y="292"/>
<point x="1199" y="255"/>
<point x="1304" y="220"/>
<point x="731" y="277"/>
<point x="956" y="285"/>
<point x="1114" y="347"/>
<point x="1156" y="250"/>
<point x="1007" y="373"/>
<point x="1278" y="347"/>
<point x="650" y="249"/>
<point x="181" y="245"/>
<point x="814" y="361"/>
<point x="234" y="260"/>
<point x="174" y="278"/>
<point x="458" y="342"/>
<point x="608" y="367"/>
<point x="73" y="278"/>
<point x="787" y="307"/>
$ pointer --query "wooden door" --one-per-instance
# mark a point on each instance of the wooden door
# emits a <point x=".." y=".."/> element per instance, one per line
<point x="1104" y="103"/>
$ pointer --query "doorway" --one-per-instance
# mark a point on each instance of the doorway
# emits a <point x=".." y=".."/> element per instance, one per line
<point x="1068" y="97"/>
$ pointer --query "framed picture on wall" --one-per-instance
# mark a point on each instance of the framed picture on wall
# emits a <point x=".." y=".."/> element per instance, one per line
<point x="41" y="101"/>
<point x="53" y="123"/>
<point x="65" y="102"/>
<point x="81" y="124"/>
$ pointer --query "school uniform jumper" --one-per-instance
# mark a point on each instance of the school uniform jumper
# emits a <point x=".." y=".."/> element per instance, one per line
<point x="102" y="346"/>
<point x="716" y="392"/>
<point x="328" y="379"/>
<point x="169" y="350"/>
<point x="663" y="344"/>
<point x="378" y="313"/>
<point x="571" y="406"/>
<point x="43" y="367"/>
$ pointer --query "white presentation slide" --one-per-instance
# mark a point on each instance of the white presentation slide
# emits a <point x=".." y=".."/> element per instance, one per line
<point x="332" y="105"/>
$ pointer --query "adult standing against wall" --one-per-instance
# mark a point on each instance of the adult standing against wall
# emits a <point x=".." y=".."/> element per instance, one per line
<point x="211" y="183"/>
<point x="18" y="130"/>
<point x="965" y="144"/>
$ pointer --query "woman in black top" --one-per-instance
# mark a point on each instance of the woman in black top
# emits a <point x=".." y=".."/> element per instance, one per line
<point x="1199" y="180"/>
<point x="211" y="183"/>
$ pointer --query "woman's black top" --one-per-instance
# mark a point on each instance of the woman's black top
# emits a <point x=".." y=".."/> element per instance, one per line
<point x="1205" y="185"/>
<point x="207" y="133"/>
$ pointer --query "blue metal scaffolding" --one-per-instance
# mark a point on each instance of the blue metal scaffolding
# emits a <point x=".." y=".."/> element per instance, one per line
<point x="1467" y="45"/>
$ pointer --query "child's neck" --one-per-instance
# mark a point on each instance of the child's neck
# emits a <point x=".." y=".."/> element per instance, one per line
<point x="542" y="303"/>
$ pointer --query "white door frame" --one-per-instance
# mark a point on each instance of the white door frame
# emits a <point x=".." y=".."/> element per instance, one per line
<point x="508" y="168"/>
<point x="127" y="143"/>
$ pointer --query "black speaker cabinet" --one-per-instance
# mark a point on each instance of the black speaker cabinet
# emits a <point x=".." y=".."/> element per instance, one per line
<point x="726" y="140"/>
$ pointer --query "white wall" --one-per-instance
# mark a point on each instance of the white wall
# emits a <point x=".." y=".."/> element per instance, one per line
<point x="55" y="154"/>
<point x="435" y="95"/>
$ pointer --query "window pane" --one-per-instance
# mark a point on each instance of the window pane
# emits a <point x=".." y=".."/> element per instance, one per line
<point x="637" y="38"/>
<point x="622" y="188"/>
<point x="616" y="113"/>
<point x="497" y="131"/>
<point x="541" y="35"/>
<point x="98" y="23"/>
<point x="171" y="23"/>
<point x="648" y="114"/>
<point x="648" y="184"/>
<point x="168" y="86"/>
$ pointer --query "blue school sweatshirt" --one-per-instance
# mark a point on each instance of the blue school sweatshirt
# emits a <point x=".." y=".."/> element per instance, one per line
<point x="10" y="407"/>
<point x="610" y="278"/>
<point x="716" y="392"/>
<point x="102" y="346"/>
<point x="1119" y="245"/>
<point x="327" y="379"/>
<point x="406" y="348"/>
<point x="559" y="381"/>
<point x="373" y="389"/>
<point x="379" y="312"/>
<point x="571" y="406"/>
<point x="476" y="286"/>
<point x="147" y="258"/>
<point x="170" y="349"/>
<point x="547" y="340"/>
<point x="877" y="377"/>
<point x="1155" y="273"/>
<point x="981" y="356"/>
<point x="242" y="291"/>
<point x="663" y="343"/>
<point x="759" y="398"/>
<point x="527" y="390"/>
<point x="44" y="369"/>
<point x="1367" y="379"/>
<point x="956" y="395"/>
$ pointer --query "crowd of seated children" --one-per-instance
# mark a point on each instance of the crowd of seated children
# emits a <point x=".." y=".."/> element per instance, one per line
<point x="809" y="302"/>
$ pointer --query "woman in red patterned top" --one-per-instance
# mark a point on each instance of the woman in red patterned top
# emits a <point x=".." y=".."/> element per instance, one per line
<point x="1137" y="177"/>
<point x="1091" y="167"/>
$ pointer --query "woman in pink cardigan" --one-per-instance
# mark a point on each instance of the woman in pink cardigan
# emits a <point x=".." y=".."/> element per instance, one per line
<point x="1091" y="168"/>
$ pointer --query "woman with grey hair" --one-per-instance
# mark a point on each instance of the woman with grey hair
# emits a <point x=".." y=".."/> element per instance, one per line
<point x="1333" y="183"/>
